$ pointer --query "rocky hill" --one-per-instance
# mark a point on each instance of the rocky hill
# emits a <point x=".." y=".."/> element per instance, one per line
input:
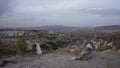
<point x="112" y="28"/>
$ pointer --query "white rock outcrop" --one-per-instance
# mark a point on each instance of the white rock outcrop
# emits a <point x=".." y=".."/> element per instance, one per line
<point x="38" y="49"/>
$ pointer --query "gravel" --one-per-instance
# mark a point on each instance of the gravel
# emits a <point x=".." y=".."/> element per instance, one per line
<point x="54" y="60"/>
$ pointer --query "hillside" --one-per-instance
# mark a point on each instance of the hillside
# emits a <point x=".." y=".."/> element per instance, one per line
<point x="111" y="27"/>
<point x="108" y="29"/>
<point x="52" y="27"/>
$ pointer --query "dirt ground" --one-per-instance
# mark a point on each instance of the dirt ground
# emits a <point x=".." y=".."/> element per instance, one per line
<point x="54" y="60"/>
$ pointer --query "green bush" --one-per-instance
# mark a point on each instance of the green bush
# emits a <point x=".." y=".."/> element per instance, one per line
<point x="53" y="45"/>
<point x="21" y="45"/>
<point x="44" y="47"/>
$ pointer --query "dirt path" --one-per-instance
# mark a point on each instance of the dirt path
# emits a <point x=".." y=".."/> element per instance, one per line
<point x="99" y="60"/>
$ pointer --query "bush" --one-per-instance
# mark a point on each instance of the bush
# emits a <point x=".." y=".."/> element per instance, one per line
<point x="44" y="47"/>
<point x="53" y="45"/>
<point x="21" y="46"/>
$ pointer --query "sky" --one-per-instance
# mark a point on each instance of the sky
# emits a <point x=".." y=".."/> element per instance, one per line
<point x="79" y="13"/>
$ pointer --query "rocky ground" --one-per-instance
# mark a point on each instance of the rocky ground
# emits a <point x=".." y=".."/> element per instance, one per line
<point x="55" y="60"/>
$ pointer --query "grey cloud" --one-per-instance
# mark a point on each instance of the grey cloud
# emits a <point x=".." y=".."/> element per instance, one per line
<point x="4" y="6"/>
<point x="102" y="11"/>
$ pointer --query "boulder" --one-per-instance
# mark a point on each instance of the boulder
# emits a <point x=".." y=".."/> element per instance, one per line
<point x="38" y="49"/>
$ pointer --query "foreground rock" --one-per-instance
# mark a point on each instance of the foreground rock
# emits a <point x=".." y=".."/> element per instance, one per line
<point x="99" y="60"/>
<point x="86" y="54"/>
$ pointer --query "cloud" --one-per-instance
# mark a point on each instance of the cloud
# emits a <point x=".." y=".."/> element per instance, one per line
<point x="58" y="12"/>
<point x="68" y="4"/>
<point x="4" y="6"/>
<point x="61" y="5"/>
<point x="102" y="11"/>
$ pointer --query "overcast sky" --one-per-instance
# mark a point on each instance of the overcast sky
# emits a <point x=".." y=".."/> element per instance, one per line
<point x="27" y="13"/>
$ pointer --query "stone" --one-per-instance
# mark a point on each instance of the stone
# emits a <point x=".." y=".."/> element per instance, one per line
<point x="29" y="45"/>
<point x="72" y="50"/>
<point x="38" y="49"/>
<point x="86" y="54"/>
<point x="73" y="58"/>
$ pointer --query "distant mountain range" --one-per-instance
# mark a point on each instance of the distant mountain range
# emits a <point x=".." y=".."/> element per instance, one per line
<point x="111" y="27"/>
<point x="108" y="29"/>
<point x="53" y="27"/>
<point x="57" y="27"/>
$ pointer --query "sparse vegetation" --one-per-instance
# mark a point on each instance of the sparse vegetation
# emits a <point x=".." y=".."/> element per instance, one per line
<point x="115" y="38"/>
<point x="55" y="40"/>
<point x="21" y="45"/>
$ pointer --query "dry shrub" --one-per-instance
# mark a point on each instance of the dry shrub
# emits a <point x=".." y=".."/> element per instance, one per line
<point x="117" y="52"/>
<point x="6" y="50"/>
<point x="21" y="45"/>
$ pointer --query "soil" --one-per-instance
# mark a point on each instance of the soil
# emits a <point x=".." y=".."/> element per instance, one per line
<point x="55" y="60"/>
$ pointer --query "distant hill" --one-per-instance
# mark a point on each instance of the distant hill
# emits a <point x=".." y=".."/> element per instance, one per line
<point x="53" y="27"/>
<point x="111" y="28"/>
<point x="58" y="27"/>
